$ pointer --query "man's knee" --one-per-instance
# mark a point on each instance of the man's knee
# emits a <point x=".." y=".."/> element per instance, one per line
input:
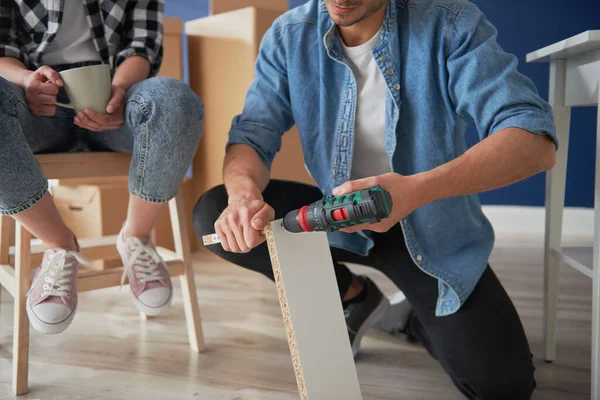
<point x="208" y="209"/>
<point x="517" y="383"/>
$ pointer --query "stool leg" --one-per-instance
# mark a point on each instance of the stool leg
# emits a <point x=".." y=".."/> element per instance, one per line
<point x="555" y="200"/>
<point x="188" y="286"/>
<point x="6" y="228"/>
<point x="21" y="322"/>
<point x="6" y="224"/>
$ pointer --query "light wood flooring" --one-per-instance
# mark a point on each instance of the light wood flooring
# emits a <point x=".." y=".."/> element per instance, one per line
<point x="109" y="353"/>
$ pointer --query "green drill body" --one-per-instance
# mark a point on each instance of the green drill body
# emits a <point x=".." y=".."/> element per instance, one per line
<point x="333" y="213"/>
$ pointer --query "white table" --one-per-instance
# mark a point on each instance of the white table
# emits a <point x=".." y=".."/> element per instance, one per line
<point x="574" y="82"/>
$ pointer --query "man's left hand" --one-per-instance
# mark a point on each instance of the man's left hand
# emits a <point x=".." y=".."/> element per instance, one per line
<point x="113" y="119"/>
<point x="406" y="192"/>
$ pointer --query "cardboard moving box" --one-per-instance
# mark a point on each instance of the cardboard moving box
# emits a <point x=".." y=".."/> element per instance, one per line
<point x="234" y="39"/>
<point x="221" y="6"/>
<point x="92" y="211"/>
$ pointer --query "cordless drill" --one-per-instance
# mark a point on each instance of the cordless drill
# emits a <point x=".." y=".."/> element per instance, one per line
<point x="335" y="212"/>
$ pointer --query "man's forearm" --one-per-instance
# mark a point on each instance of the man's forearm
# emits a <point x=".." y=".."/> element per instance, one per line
<point x="131" y="71"/>
<point x="504" y="158"/>
<point x="244" y="173"/>
<point x="14" y="70"/>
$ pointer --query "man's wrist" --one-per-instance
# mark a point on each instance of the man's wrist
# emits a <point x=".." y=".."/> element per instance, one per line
<point x="431" y="186"/>
<point x="244" y="196"/>
<point x="243" y="192"/>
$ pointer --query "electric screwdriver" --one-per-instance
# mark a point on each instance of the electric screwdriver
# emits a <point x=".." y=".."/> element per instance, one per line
<point x="336" y="212"/>
<point x="332" y="213"/>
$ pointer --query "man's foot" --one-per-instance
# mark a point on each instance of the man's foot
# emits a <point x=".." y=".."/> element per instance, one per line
<point x="395" y="322"/>
<point x="364" y="312"/>
<point x="148" y="275"/>
<point x="52" y="298"/>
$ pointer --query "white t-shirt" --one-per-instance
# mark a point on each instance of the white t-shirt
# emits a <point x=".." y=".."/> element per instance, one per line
<point x="73" y="42"/>
<point x="370" y="156"/>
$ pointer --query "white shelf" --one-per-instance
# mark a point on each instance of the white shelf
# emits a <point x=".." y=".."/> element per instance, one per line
<point x="570" y="47"/>
<point x="580" y="258"/>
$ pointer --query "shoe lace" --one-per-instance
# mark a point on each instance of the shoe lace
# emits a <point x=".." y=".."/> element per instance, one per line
<point x="58" y="274"/>
<point x="144" y="260"/>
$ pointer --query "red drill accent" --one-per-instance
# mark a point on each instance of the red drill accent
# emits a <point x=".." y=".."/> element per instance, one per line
<point x="340" y="214"/>
<point x="303" y="220"/>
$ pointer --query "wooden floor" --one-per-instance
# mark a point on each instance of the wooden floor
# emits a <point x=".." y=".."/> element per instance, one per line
<point x="108" y="353"/>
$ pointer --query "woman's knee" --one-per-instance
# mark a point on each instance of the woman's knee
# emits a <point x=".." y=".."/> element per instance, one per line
<point x="169" y="103"/>
<point x="11" y="96"/>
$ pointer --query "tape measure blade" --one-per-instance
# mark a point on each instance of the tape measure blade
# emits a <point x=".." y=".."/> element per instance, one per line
<point x="211" y="239"/>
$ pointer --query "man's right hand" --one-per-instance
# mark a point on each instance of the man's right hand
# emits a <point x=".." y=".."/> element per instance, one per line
<point x="41" y="88"/>
<point x="239" y="226"/>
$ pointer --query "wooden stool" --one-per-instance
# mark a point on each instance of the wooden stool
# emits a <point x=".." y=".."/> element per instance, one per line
<point x="15" y="263"/>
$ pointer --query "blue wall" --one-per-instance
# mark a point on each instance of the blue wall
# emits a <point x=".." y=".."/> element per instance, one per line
<point x="187" y="10"/>
<point x="523" y="26"/>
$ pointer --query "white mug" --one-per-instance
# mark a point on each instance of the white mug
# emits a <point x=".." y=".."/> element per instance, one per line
<point x="87" y="87"/>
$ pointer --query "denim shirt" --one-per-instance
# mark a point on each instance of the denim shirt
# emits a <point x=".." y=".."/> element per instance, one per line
<point x="444" y="70"/>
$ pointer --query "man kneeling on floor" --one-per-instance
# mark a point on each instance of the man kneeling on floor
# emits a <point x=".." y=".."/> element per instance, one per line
<point x="382" y="92"/>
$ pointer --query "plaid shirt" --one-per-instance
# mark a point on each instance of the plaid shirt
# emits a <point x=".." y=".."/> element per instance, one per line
<point x="120" y="29"/>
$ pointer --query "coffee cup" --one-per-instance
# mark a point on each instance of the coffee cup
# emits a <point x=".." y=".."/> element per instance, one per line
<point x="87" y="87"/>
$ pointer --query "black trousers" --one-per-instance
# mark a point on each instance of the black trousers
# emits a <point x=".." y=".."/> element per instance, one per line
<point x="482" y="347"/>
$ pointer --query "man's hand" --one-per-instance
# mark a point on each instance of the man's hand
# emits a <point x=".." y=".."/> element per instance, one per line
<point x="239" y="226"/>
<point x="41" y="88"/>
<point x="89" y="119"/>
<point x="406" y="192"/>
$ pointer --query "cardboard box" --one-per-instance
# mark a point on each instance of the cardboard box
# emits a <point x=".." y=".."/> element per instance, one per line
<point x="172" y="64"/>
<point x="111" y="223"/>
<point x="93" y="211"/>
<point x="221" y="6"/>
<point x="233" y="38"/>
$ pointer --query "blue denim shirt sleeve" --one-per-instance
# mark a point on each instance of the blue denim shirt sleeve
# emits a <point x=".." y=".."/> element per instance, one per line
<point x="267" y="112"/>
<point x="485" y="85"/>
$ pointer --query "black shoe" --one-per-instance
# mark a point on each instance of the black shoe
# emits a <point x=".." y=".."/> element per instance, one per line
<point x="395" y="322"/>
<point x="365" y="314"/>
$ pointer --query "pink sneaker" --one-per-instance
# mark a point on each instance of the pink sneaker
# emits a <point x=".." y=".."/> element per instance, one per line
<point x="52" y="299"/>
<point x="148" y="275"/>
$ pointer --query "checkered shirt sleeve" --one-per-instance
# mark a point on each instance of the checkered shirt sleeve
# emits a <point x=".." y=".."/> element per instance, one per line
<point x="144" y="27"/>
<point x="9" y="41"/>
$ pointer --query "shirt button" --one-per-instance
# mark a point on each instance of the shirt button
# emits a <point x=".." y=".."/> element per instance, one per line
<point x="389" y="71"/>
<point x="419" y="258"/>
<point x="396" y="86"/>
<point x="405" y="221"/>
<point x="383" y="58"/>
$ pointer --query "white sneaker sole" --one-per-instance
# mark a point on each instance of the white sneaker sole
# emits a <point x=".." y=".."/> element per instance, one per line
<point x="152" y="311"/>
<point x="46" y="328"/>
<point x="397" y="314"/>
<point x="371" y="321"/>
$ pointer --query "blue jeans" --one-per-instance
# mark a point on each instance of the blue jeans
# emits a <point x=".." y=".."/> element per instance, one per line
<point x="163" y="123"/>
